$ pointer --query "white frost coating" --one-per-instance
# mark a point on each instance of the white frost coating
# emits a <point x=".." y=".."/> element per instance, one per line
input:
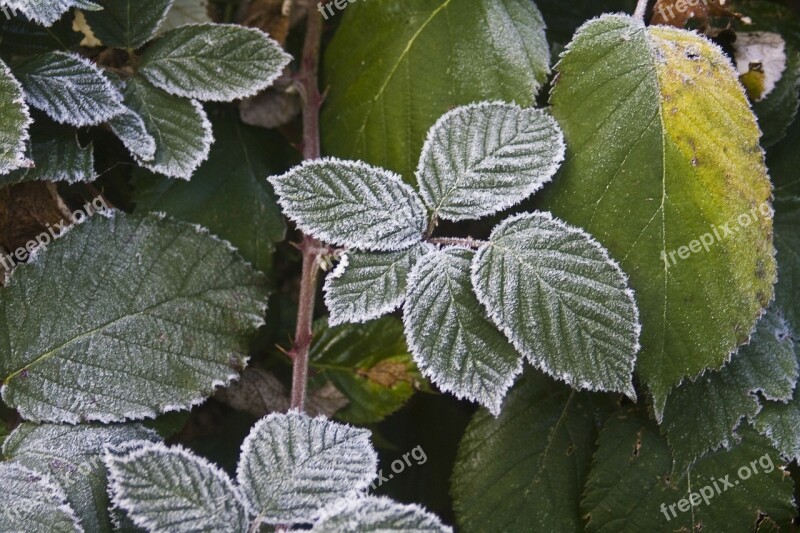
<point x="31" y="502"/>
<point x="367" y="285"/>
<point x="13" y="136"/>
<point x="482" y="158"/>
<point x="352" y="204"/>
<point x="763" y="51"/>
<point x="131" y="130"/>
<point x="71" y="456"/>
<point x="377" y="514"/>
<point x="292" y="465"/>
<point x="561" y="301"/>
<point x="181" y="126"/>
<point x="172" y="490"/>
<point x="453" y="342"/>
<point x="47" y="12"/>
<point x="69" y="89"/>
<point x="168" y="318"/>
<point x="213" y="62"/>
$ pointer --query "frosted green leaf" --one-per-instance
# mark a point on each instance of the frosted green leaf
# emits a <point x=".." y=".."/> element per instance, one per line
<point x="72" y="457"/>
<point x="33" y="503"/>
<point x="453" y="342"/>
<point x="483" y="158"/>
<point x="14" y="122"/>
<point x="787" y="244"/>
<point x="525" y="470"/>
<point x="379" y="515"/>
<point x="703" y="415"/>
<point x="47" y="12"/>
<point x="69" y="88"/>
<point x="367" y="285"/>
<point x="663" y="151"/>
<point x="57" y="156"/>
<point x="213" y="62"/>
<point x="349" y="203"/>
<point x="132" y="131"/>
<point x="292" y="466"/>
<point x="630" y="489"/>
<point x="127" y="24"/>
<point x="180" y="127"/>
<point x="395" y="66"/>
<point x="171" y="490"/>
<point x="561" y="300"/>
<point x="160" y="313"/>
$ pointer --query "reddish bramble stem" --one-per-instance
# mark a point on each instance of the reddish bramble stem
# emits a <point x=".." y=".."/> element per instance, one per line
<point x="307" y="80"/>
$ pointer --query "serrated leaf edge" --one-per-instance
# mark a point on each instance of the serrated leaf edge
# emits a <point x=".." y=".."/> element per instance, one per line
<point x="538" y="361"/>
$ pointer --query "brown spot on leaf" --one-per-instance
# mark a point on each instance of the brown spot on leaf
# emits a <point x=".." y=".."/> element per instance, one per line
<point x="386" y="373"/>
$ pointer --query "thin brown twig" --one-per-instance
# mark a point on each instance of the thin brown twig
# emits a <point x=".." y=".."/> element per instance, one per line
<point x="308" y="85"/>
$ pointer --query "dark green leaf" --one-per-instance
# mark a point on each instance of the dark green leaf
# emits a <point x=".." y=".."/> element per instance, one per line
<point x="394" y="67"/>
<point x="228" y="193"/>
<point x="525" y="470"/>
<point x="127" y="23"/>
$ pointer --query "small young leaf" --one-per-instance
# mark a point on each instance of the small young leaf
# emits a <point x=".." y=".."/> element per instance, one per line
<point x="126" y="317"/>
<point x="171" y="490"/>
<point x="69" y="88"/>
<point x="213" y="62"/>
<point x="132" y="131"/>
<point x="378" y="515"/>
<point x="483" y="158"/>
<point x="561" y="300"/>
<point x="525" y="470"/>
<point x="292" y="466"/>
<point x="49" y="11"/>
<point x="15" y="119"/>
<point x="368" y="363"/>
<point x="57" y="156"/>
<point x="32" y="503"/>
<point x="453" y="342"/>
<point x="127" y="24"/>
<point x="349" y="203"/>
<point x="71" y="456"/>
<point x="367" y="285"/>
<point x="703" y="415"/>
<point x="181" y="126"/>
<point x="630" y="489"/>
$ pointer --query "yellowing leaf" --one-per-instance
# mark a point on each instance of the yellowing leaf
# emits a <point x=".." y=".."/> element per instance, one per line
<point x="663" y="151"/>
